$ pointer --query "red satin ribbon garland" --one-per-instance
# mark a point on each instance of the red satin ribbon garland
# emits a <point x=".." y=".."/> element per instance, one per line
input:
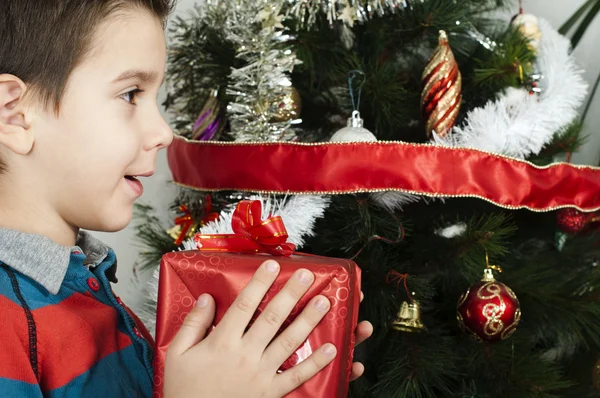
<point x="251" y="233"/>
<point x="338" y="168"/>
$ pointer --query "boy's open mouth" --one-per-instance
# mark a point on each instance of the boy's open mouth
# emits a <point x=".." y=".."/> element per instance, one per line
<point x="135" y="185"/>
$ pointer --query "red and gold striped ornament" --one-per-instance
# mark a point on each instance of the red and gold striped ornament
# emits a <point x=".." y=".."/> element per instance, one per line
<point x="442" y="90"/>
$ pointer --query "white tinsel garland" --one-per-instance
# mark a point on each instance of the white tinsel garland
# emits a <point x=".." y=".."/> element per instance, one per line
<point x="518" y="124"/>
<point x="298" y="213"/>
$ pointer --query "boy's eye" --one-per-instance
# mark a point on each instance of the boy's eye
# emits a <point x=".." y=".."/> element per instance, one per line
<point x="130" y="95"/>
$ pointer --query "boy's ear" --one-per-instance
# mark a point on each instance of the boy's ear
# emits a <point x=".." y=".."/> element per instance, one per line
<point x="14" y="129"/>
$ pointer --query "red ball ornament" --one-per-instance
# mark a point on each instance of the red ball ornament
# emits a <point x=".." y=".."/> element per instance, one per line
<point x="573" y="221"/>
<point x="489" y="310"/>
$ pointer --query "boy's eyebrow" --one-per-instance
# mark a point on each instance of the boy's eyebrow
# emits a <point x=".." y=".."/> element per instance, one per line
<point x="143" y="75"/>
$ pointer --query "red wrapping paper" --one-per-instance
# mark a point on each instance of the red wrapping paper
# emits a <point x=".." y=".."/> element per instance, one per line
<point x="186" y="275"/>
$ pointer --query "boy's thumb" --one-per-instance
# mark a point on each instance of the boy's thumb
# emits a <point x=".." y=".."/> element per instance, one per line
<point x="194" y="326"/>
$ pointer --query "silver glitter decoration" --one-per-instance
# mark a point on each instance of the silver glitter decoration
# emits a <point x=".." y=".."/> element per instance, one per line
<point x="479" y="37"/>
<point x="260" y="86"/>
<point x="348" y="11"/>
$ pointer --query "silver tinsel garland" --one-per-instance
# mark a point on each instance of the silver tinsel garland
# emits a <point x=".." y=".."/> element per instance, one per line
<point x="262" y="84"/>
<point x="348" y="11"/>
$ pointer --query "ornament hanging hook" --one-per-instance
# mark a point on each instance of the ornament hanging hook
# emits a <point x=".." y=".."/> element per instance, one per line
<point x="488" y="266"/>
<point x="351" y="76"/>
<point x="394" y="276"/>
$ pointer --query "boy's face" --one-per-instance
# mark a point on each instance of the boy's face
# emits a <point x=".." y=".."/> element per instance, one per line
<point x="106" y="129"/>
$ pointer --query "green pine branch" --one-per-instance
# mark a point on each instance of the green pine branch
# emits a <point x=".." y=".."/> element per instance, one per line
<point x="568" y="140"/>
<point x="152" y="237"/>
<point x="505" y="67"/>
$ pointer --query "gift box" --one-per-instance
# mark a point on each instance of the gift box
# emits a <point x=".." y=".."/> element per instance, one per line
<point x="224" y="264"/>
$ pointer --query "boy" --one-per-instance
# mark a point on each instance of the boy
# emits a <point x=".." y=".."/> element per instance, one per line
<point x="79" y="124"/>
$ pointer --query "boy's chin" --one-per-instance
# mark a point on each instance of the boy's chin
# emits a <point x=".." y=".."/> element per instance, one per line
<point x="117" y="221"/>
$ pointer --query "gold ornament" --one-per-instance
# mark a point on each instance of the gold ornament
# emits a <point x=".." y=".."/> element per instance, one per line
<point x="442" y="90"/>
<point x="529" y="27"/>
<point x="289" y="108"/>
<point x="409" y="318"/>
<point x="175" y="232"/>
<point x="596" y="375"/>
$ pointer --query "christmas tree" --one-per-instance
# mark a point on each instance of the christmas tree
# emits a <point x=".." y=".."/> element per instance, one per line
<point x="465" y="90"/>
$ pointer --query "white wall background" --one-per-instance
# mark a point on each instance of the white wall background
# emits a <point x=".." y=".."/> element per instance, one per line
<point x="160" y="193"/>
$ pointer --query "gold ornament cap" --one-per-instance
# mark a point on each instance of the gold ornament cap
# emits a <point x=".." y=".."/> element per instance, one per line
<point x="409" y="318"/>
<point x="443" y="37"/>
<point x="488" y="274"/>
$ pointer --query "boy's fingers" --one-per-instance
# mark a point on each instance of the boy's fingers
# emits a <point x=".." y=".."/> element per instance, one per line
<point x="290" y="339"/>
<point x="357" y="370"/>
<point x="301" y="373"/>
<point x="364" y="330"/>
<point x="195" y="325"/>
<point x="237" y="317"/>
<point x="272" y="317"/>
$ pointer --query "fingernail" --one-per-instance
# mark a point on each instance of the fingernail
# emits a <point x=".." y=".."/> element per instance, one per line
<point x="272" y="266"/>
<point x="305" y="277"/>
<point x="329" y="350"/>
<point x="202" y="301"/>
<point x="322" y="304"/>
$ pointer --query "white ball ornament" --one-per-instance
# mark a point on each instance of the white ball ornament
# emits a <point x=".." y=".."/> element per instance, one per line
<point x="354" y="131"/>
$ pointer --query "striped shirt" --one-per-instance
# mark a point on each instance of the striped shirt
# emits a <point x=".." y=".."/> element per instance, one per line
<point x="63" y="331"/>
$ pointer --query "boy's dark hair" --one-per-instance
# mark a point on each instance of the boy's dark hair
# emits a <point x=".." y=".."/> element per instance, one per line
<point x="42" y="41"/>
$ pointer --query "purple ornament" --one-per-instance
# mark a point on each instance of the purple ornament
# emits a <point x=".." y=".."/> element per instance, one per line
<point x="210" y="122"/>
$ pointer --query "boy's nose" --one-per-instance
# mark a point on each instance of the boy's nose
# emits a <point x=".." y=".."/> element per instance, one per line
<point x="162" y="135"/>
<point x="166" y="135"/>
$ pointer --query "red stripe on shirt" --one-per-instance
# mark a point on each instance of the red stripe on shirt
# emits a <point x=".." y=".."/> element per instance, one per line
<point x="73" y="336"/>
<point x="14" y="337"/>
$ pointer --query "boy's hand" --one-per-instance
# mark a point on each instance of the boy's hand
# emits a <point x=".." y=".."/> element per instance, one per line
<point x="231" y="362"/>
<point x="364" y="330"/>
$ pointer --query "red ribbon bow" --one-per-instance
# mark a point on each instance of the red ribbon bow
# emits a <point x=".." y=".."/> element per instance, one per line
<point x="250" y="233"/>
<point x="209" y="215"/>
<point x="185" y="222"/>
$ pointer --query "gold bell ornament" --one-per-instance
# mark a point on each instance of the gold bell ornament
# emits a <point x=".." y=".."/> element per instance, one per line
<point x="409" y="318"/>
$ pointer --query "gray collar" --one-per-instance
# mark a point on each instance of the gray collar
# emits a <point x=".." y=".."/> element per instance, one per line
<point x="45" y="261"/>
